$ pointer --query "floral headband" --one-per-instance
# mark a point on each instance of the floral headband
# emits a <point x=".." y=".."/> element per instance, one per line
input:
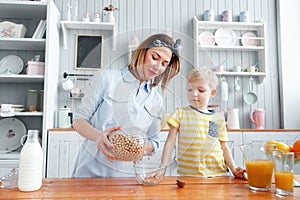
<point x="175" y="49"/>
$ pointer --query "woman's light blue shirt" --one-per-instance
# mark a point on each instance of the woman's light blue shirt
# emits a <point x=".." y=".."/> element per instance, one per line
<point x="116" y="98"/>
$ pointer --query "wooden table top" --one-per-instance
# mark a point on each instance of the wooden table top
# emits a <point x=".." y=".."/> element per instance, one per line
<point x="127" y="188"/>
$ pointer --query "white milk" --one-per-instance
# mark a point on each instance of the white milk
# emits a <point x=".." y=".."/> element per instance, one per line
<point x="31" y="164"/>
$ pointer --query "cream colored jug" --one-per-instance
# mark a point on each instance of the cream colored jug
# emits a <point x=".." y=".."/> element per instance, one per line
<point x="233" y="119"/>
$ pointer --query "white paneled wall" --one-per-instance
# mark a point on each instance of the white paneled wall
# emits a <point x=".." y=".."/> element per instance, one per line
<point x="144" y="17"/>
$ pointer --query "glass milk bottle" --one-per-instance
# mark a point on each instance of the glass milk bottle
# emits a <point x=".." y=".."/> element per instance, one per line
<point x="31" y="164"/>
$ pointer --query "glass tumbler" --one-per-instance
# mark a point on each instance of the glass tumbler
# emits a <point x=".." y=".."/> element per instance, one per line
<point x="284" y="174"/>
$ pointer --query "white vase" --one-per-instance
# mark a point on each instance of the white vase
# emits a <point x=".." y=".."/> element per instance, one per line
<point x="110" y="17"/>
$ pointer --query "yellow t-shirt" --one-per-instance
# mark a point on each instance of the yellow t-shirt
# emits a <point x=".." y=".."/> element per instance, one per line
<point x="199" y="148"/>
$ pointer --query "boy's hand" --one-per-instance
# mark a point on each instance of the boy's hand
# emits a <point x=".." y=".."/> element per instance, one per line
<point x="240" y="173"/>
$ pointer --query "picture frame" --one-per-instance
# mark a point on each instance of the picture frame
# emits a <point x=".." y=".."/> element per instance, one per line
<point x="88" y="51"/>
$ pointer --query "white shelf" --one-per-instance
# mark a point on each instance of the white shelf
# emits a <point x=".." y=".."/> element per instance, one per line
<point x="231" y="25"/>
<point x="232" y="48"/>
<point x="241" y="73"/>
<point x="23" y="9"/>
<point x="22" y="44"/>
<point x="88" y="25"/>
<point x="21" y="78"/>
<point x="14" y="155"/>
<point x="28" y="114"/>
<point x="256" y="52"/>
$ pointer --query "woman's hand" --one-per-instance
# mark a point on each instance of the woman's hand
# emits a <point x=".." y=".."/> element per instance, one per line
<point x="103" y="143"/>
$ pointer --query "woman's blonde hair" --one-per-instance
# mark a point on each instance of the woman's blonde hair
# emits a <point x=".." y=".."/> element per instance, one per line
<point x="204" y="74"/>
<point x="138" y="57"/>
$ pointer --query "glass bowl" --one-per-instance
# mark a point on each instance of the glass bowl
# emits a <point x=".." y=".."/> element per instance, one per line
<point x="129" y="144"/>
<point x="149" y="174"/>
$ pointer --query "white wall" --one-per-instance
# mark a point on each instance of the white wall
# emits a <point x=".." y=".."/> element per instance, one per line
<point x="289" y="61"/>
<point x="145" y="17"/>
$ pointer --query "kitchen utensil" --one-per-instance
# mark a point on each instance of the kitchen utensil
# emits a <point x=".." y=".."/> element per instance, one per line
<point x="149" y="174"/>
<point x="258" y="118"/>
<point x="250" y="97"/>
<point x="237" y="87"/>
<point x="225" y="37"/>
<point x="64" y="120"/>
<point x="11" y="131"/>
<point x="233" y="118"/>
<point x="224" y="90"/>
<point x="67" y="85"/>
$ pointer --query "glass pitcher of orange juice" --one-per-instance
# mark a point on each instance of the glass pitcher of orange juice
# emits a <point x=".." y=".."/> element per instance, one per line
<point x="259" y="164"/>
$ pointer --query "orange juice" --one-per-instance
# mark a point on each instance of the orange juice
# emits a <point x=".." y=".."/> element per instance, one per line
<point x="260" y="173"/>
<point x="284" y="180"/>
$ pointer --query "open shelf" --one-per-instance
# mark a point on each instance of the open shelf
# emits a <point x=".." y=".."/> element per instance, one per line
<point x="88" y="25"/>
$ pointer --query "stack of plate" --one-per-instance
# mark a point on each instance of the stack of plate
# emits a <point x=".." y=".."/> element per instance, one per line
<point x="18" y="108"/>
<point x="11" y="64"/>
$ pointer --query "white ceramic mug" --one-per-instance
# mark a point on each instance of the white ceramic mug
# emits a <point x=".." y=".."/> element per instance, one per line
<point x="5" y="108"/>
<point x="237" y="68"/>
<point x="67" y="85"/>
<point x="252" y="69"/>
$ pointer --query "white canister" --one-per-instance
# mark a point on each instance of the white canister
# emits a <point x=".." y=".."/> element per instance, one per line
<point x="64" y="118"/>
<point x="209" y="15"/>
<point x="244" y="16"/>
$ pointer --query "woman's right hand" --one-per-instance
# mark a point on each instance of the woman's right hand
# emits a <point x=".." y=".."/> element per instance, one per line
<point x="103" y="143"/>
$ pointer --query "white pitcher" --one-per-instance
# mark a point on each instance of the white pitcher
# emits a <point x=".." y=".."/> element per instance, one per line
<point x="233" y="119"/>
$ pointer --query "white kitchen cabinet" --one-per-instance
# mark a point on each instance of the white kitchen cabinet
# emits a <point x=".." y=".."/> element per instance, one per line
<point x="13" y="87"/>
<point x="215" y="54"/>
<point x="63" y="147"/>
<point x="234" y="140"/>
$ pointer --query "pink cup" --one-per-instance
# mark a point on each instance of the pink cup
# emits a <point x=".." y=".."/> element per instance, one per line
<point x="219" y="68"/>
<point x="258" y="118"/>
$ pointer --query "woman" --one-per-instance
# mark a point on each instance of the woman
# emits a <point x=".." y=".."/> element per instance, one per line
<point x="127" y="97"/>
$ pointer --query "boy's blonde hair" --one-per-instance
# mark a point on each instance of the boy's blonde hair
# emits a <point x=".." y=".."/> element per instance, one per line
<point x="204" y="74"/>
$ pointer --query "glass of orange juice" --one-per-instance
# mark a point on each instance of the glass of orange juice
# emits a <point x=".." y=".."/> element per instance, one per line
<point x="284" y="174"/>
<point x="259" y="165"/>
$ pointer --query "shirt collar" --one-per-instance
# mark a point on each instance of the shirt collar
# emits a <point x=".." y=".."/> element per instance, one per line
<point x="130" y="78"/>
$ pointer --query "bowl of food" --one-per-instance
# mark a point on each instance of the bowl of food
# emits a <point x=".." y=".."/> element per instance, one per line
<point x="149" y="174"/>
<point x="129" y="144"/>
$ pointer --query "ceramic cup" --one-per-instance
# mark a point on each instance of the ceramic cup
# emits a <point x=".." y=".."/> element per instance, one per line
<point x="252" y="69"/>
<point x="244" y="16"/>
<point x="227" y="16"/>
<point x="67" y="85"/>
<point x="219" y="68"/>
<point x="209" y="15"/>
<point x="237" y="68"/>
<point x="5" y="108"/>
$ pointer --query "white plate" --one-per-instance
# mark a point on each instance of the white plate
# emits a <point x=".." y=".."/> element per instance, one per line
<point x="11" y="131"/>
<point x="19" y="109"/>
<point x="247" y="39"/>
<point x="206" y="38"/>
<point x="225" y="37"/>
<point x="11" y="64"/>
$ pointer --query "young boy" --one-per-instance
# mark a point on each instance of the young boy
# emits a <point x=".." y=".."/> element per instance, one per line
<point x="202" y="136"/>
